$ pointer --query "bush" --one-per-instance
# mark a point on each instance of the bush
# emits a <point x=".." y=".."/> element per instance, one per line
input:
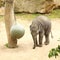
<point x="54" y="52"/>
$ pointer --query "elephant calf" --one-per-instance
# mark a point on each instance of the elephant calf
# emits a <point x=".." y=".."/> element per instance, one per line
<point x="40" y="26"/>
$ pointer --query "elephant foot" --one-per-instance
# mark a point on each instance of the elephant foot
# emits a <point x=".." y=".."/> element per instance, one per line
<point x="34" y="46"/>
<point x="40" y="45"/>
<point x="37" y="45"/>
<point x="46" y="42"/>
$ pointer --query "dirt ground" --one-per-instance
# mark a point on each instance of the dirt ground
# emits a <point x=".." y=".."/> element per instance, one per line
<point x="25" y="51"/>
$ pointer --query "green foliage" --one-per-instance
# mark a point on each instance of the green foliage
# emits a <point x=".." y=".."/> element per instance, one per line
<point x="54" y="14"/>
<point x="27" y="16"/>
<point x="6" y="45"/>
<point x="54" y="52"/>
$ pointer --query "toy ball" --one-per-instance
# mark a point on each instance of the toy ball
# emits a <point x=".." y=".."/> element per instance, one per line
<point x="17" y="31"/>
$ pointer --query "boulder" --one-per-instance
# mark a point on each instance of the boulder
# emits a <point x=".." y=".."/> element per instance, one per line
<point x="57" y="2"/>
<point x="34" y="6"/>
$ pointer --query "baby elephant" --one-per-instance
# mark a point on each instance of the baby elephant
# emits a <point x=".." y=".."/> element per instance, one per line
<point x="40" y="26"/>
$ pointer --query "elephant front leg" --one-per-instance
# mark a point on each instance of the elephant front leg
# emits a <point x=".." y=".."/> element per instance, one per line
<point x="35" y="41"/>
<point x="47" y="39"/>
<point x="40" y="39"/>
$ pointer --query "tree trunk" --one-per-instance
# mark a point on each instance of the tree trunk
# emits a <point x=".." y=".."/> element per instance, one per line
<point x="9" y="19"/>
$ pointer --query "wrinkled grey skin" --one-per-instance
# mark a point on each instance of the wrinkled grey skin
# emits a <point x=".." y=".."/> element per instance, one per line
<point x="40" y="26"/>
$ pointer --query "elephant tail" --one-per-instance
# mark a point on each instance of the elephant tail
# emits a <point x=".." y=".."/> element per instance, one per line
<point x="51" y="35"/>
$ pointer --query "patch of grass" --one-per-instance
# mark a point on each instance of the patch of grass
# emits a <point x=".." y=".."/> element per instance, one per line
<point x="10" y="47"/>
<point x="27" y="16"/>
<point x="54" y="14"/>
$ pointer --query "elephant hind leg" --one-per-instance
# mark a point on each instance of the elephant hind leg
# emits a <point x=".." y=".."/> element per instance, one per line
<point x="47" y="32"/>
<point x="47" y="39"/>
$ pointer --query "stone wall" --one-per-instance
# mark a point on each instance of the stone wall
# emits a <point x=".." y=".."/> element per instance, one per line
<point x="34" y="6"/>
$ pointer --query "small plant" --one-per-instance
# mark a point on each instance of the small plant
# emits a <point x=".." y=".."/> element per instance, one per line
<point x="6" y="45"/>
<point x="54" y="52"/>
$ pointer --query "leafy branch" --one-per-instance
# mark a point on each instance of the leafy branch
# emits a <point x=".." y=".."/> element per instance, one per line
<point x="54" y="52"/>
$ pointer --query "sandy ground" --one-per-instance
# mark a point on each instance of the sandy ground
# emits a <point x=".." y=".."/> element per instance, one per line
<point x="25" y="51"/>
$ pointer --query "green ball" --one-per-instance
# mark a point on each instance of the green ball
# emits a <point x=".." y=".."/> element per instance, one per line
<point x="17" y="31"/>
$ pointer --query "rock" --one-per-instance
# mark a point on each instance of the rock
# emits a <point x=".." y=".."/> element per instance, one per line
<point x="48" y="6"/>
<point x="57" y="2"/>
<point x="33" y="6"/>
